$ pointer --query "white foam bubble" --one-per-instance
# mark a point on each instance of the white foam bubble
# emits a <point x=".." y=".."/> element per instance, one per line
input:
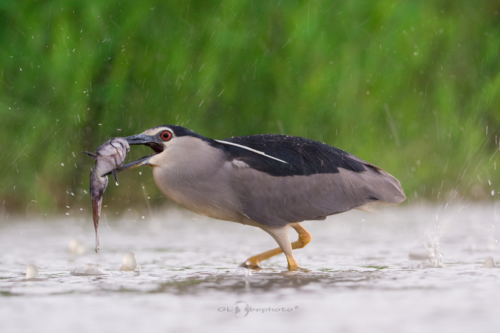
<point x="490" y="263"/>
<point x="31" y="271"/>
<point x="75" y="246"/>
<point x="129" y="262"/>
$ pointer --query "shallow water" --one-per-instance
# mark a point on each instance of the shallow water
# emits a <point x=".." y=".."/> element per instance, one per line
<point x="357" y="274"/>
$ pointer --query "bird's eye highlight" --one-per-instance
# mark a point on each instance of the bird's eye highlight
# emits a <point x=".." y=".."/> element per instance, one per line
<point x="166" y="135"/>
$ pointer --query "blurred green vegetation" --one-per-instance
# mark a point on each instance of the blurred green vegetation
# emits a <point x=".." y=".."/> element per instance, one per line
<point x="411" y="86"/>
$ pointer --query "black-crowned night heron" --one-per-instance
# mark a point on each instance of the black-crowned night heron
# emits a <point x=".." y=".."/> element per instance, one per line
<point x="268" y="181"/>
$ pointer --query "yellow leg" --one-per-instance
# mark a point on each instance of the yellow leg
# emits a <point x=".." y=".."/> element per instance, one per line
<point x="304" y="239"/>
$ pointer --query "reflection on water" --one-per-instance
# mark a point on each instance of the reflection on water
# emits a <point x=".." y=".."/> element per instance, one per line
<point x="267" y="281"/>
<point x="402" y="263"/>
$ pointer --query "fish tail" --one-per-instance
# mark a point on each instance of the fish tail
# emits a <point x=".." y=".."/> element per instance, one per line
<point x="96" y="214"/>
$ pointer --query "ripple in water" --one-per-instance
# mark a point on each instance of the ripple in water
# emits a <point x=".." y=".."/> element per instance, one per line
<point x="88" y="269"/>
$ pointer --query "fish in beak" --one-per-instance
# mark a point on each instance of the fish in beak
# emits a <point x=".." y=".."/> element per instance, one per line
<point x="109" y="157"/>
<point x="142" y="139"/>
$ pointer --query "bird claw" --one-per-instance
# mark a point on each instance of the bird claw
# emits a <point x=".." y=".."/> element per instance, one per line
<point x="251" y="265"/>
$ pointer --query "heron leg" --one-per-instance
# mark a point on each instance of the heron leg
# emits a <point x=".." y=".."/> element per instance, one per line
<point x="282" y="238"/>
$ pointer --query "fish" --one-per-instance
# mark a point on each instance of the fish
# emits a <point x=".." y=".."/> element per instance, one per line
<point x="109" y="157"/>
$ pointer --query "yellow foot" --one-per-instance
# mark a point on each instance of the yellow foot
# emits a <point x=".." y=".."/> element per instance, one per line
<point x="298" y="270"/>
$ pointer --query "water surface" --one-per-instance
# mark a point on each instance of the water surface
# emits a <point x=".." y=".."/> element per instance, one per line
<point x="357" y="274"/>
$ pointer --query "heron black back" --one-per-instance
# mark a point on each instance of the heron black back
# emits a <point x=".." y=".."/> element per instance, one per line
<point x="304" y="157"/>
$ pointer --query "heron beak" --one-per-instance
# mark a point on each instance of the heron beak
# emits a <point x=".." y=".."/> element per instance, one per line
<point x="142" y="139"/>
<point x="135" y="164"/>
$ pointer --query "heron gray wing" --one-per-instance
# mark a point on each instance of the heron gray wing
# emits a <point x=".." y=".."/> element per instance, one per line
<point x="277" y="201"/>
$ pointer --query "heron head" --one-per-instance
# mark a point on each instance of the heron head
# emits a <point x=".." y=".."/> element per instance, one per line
<point x="159" y="139"/>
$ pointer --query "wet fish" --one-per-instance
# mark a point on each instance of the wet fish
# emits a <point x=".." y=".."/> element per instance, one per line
<point x="108" y="157"/>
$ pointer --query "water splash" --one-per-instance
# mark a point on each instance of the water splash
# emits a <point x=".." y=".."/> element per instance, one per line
<point x="428" y="251"/>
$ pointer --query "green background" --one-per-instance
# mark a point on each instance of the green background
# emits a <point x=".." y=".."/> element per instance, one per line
<point x="411" y="86"/>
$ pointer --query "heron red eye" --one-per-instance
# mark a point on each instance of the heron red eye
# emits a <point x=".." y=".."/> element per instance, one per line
<point x="166" y="135"/>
